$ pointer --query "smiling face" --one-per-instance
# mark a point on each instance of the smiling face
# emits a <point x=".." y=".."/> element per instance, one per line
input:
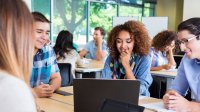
<point x="41" y="34"/>
<point x="124" y="42"/>
<point x="191" y="48"/>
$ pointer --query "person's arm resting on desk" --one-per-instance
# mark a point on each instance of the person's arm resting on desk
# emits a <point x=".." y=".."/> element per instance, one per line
<point x="174" y="101"/>
<point x="55" y="81"/>
<point x="46" y="90"/>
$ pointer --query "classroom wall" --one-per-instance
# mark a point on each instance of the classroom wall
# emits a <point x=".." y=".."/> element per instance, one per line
<point x="173" y="9"/>
<point x="191" y="9"/>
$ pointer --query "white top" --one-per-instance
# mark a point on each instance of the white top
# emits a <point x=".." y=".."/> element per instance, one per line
<point x="72" y="57"/>
<point x="15" y="95"/>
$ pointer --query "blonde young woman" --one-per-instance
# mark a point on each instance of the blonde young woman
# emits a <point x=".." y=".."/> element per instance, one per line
<point x="16" y="54"/>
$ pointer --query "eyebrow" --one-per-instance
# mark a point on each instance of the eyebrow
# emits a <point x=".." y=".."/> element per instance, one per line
<point x="42" y="30"/>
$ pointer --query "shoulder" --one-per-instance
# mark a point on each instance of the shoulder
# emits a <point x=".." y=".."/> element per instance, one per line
<point x="144" y="57"/>
<point x="47" y="48"/>
<point x="17" y="94"/>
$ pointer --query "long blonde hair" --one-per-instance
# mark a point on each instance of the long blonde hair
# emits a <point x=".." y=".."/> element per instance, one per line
<point x="16" y="38"/>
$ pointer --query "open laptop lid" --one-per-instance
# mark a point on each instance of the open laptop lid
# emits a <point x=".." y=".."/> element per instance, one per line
<point x="89" y="94"/>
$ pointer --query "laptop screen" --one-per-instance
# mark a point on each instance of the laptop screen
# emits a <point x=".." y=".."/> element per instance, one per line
<point x="89" y="94"/>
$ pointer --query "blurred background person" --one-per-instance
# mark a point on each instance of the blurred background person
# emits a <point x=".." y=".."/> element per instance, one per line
<point x="95" y="49"/>
<point x="65" y="51"/>
<point x="162" y="50"/>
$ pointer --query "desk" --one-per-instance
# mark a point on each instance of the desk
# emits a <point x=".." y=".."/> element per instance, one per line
<point x="93" y="66"/>
<point x="170" y="75"/>
<point x="59" y="103"/>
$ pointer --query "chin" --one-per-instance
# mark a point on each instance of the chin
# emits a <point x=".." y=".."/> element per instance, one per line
<point x="190" y="56"/>
<point x="39" y="46"/>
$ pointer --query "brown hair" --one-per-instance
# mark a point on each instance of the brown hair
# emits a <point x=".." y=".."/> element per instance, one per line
<point x="16" y="39"/>
<point x="139" y="34"/>
<point x="163" y="39"/>
<point x="101" y="30"/>
<point x="39" y="17"/>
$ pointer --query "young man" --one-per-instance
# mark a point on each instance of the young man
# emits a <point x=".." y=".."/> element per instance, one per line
<point x="95" y="49"/>
<point x="45" y="78"/>
<point x="188" y="75"/>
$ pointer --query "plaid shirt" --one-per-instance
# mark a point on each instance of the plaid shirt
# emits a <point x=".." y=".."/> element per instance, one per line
<point x="44" y="64"/>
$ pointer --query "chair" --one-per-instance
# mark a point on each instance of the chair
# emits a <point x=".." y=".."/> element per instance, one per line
<point x="66" y="75"/>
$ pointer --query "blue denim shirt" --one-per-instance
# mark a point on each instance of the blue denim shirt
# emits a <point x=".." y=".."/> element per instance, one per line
<point x="188" y="76"/>
<point x="141" y="72"/>
<point x="92" y="48"/>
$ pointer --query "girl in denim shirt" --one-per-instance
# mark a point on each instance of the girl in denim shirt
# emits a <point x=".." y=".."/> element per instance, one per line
<point x="129" y="46"/>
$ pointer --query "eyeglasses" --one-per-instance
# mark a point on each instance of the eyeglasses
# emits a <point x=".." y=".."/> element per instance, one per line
<point x="185" y="41"/>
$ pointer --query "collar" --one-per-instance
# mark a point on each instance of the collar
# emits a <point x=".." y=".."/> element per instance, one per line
<point x="197" y="61"/>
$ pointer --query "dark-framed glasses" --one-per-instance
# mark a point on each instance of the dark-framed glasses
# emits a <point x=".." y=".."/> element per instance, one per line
<point x="185" y="41"/>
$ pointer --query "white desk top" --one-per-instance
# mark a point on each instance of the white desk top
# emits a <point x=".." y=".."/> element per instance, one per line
<point x="93" y="66"/>
<point x="165" y="73"/>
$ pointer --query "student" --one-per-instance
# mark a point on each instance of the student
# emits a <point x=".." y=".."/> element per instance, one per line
<point x="162" y="50"/>
<point x="129" y="46"/>
<point x="95" y="49"/>
<point x="45" y="78"/>
<point x="16" y="55"/>
<point x="189" y="70"/>
<point x="65" y="51"/>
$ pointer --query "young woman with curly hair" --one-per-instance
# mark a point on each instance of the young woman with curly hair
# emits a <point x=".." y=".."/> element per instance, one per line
<point x="162" y="49"/>
<point x="129" y="47"/>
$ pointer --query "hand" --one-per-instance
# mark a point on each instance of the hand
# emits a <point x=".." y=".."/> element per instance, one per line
<point x="125" y="58"/>
<point x="44" y="90"/>
<point x="99" y="40"/>
<point x="174" y="101"/>
<point x="166" y="66"/>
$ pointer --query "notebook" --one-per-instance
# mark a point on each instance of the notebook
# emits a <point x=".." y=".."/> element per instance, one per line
<point x="89" y="94"/>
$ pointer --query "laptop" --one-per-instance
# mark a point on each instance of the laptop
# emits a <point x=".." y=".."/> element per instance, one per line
<point x="90" y="94"/>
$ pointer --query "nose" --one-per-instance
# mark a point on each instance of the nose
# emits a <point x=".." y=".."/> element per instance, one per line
<point x="123" y="45"/>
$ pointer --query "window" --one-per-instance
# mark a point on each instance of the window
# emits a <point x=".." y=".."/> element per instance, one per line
<point x="80" y="17"/>
<point x="70" y="15"/>
<point x="101" y="15"/>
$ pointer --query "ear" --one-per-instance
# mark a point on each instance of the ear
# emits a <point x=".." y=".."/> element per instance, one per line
<point x="198" y="37"/>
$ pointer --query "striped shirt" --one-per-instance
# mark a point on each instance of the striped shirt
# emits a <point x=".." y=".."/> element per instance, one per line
<point x="44" y="64"/>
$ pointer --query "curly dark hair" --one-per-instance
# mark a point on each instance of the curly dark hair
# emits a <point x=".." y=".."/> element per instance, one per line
<point x="163" y="39"/>
<point x="137" y="31"/>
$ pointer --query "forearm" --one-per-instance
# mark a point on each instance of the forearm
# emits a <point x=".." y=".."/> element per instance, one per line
<point x="156" y="68"/>
<point x="171" y="60"/>
<point x="55" y="82"/>
<point x="99" y="53"/>
<point x="129" y="73"/>
<point x="194" y="106"/>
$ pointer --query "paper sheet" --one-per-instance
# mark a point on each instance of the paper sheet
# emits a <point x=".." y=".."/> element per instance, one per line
<point x="156" y="107"/>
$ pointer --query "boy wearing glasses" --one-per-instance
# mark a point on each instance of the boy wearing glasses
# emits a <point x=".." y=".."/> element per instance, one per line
<point x="188" y="75"/>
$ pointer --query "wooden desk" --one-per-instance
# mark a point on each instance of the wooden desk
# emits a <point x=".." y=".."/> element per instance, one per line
<point x="93" y="66"/>
<point x="59" y="103"/>
<point x="169" y="75"/>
